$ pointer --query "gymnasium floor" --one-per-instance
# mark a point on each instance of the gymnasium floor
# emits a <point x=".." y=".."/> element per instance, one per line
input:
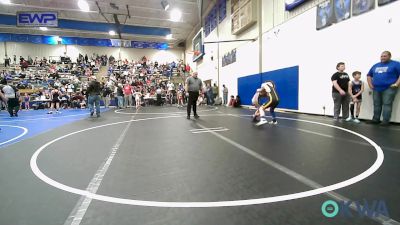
<point x="153" y="166"/>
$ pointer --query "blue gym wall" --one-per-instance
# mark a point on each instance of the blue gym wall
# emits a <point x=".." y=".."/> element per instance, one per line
<point x="287" y="86"/>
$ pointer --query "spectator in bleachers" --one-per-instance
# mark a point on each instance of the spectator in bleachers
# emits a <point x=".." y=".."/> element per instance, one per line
<point x="128" y="95"/>
<point x="24" y="65"/>
<point x="76" y="100"/>
<point x="143" y="73"/>
<point x="55" y="101"/>
<point x="106" y="95"/>
<point x="159" y="96"/>
<point x="120" y="95"/>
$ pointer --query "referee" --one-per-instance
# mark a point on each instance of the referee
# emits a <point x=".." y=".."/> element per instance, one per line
<point x="193" y="87"/>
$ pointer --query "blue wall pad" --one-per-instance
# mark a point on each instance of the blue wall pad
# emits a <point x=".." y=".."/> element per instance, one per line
<point x="287" y="86"/>
<point x="247" y="86"/>
<point x="286" y="81"/>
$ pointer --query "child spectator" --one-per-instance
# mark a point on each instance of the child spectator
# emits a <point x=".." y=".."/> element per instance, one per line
<point x="238" y="102"/>
<point x="26" y="101"/>
<point x="138" y="97"/>
<point x="356" y="88"/>
<point x="232" y="101"/>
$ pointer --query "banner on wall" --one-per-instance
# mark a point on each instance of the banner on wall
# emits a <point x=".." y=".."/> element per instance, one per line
<point x="125" y="43"/>
<point x="342" y="9"/>
<point x="221" y="10"/>
<point x="216" y="15"/>
<point x="69" y="41"/>
<point x="362" y="6"/>
<point x="115" y="42"/>
<point x="35" y="39"/>
<point x="384" y="2"/>
<point x="325" y="16"/>
<point x="37" y="19"/>
<point x="229" y="58"/>
<point x="213" y="18"/>
<point x="207" y="29"/>
<point x="53" y="40"/>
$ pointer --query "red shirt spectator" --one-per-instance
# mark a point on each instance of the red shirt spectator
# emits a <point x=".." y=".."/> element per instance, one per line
<point x="127" y="89"/>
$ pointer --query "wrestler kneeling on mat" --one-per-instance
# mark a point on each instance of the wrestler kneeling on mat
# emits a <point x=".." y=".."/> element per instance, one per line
<point x="268" y="91"/>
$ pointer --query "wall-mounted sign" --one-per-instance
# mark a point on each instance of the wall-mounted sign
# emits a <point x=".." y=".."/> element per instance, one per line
<point x="362" y="6"/>
<point x="243" y="15"/>
<point x="342" y="9"/>
<point x="384" y="2"/>
<point x="325" y="15"/>
<point x="37" y="19"/>
<point x="229" y="58"/>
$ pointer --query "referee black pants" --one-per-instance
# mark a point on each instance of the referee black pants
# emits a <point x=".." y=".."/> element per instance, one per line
<point x="13" y="106"/>
<point x="193" y="95"/>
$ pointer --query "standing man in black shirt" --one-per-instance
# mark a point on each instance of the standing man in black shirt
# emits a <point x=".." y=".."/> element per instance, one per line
<point x="7" y="61"/>
<point x="93" y="92"/>
<point x="340" y="95"/>
<point x="193" y="86"/>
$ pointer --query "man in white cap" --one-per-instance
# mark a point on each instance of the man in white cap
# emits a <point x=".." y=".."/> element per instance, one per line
<point x="93" y="91"/>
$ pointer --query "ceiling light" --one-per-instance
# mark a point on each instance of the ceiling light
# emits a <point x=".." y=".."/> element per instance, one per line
<point x="176" y="15"/>
<point x="169" y="36"/>
<point x="111" y="32"/>
<point x="83" y="5"/>
<point x="6" y="2"/>
<point x="165" y="4"/>
<point x="43" y="28"/>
